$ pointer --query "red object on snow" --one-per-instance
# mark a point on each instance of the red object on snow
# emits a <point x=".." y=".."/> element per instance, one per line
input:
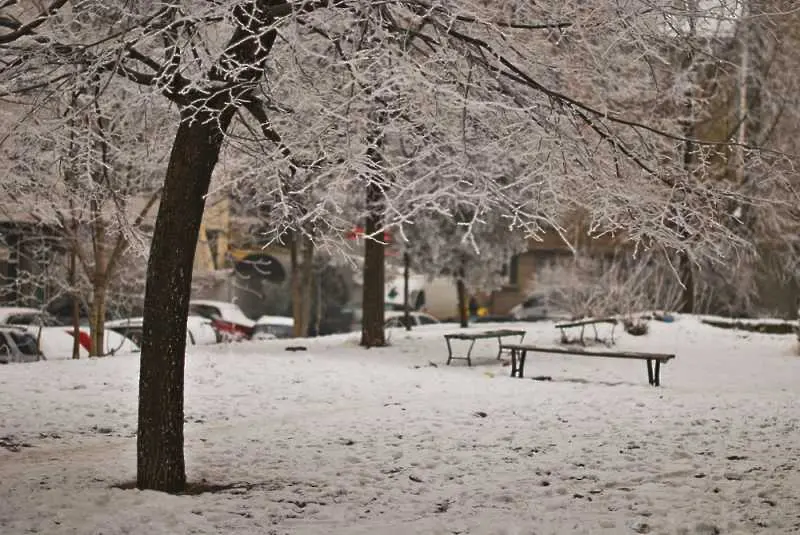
<point x="83" y="338"/>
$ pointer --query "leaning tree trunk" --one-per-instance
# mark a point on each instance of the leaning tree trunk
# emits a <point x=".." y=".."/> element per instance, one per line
<point x="372" y="318"/>
<point x="97" y="318"/>
<point x="196" y="148"/>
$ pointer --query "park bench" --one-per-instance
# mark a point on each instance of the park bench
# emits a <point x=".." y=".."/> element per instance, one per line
<point x="499" y="334"/>
<point x="519" y="351"/>
<point x="586" y="322"/>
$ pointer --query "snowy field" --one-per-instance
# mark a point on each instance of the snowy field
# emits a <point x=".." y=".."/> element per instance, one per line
<point x="342" y="440"/>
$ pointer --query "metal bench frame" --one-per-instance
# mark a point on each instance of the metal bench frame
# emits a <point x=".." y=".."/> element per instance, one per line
<point x="583" y="324"/>
<point x="520" y="351"/>
<point x="485" y="335"/>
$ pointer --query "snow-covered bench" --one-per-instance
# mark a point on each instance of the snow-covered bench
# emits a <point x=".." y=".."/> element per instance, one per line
<point x="519" y="351"/>
<point x="583" y="324"/>
<point x="472" y="337"/>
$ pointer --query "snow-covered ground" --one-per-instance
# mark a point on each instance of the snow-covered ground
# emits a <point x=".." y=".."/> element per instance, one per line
<point x="342" y="440"/>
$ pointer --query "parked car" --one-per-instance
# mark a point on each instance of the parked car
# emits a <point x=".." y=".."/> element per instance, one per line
<point x="271" y="327"/>
<point x="18" y="345"/>
<point x="227" y="319"/>
<point x="199" y="330"/>
<point x="396" y="318"/>
<point x="539" y="306"/>
<point x="26" y="316"/>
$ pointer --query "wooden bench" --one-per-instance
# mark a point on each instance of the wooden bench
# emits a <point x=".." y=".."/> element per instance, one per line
<point x="583" y="324"/>
<point x="473" y="337"/>
<point x="519" y="351"/>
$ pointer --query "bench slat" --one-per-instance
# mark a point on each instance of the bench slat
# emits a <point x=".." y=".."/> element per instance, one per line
<point x="582" y="323"/>
<point x="484" y="334"/>
<point x="663" y="357"/>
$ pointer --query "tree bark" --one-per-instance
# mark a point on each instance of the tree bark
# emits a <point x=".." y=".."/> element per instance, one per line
<point x="76" y="304"/>
<point x="373" y="299"/>
<point x="686" y="272"/>
<point x="195" y="151"/>
<point x="461" y="288"/>
<point x="406" y="304"/>
<point x="302" y="256"/>
<point x="97" y="318"/>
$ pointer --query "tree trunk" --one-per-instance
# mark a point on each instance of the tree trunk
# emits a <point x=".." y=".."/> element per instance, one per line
<point x="76" y="304"/>
<point x="686" y="272"/>
<point x="373" y="299"/>
<point x="195" y="150"/>
<point x="307" y="271"/>
<point x="302" y="256"/>
<point x="461" y="288"/>
<point x="97" y="318"/>
<point x="406" y="304"/>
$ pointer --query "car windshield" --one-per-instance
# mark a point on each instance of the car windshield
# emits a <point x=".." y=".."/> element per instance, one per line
<point x="26" y="343"/>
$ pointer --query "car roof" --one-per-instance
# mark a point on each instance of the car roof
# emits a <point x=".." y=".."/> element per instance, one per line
<point x="137" y="321"/>
<point x="11" y="327"/>
<point x="10" y="311"/>
<point x="275" y="320"/>
<point x="212" y="303"/>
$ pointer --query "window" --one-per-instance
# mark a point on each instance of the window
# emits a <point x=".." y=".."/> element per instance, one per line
<point x="205" y="311"/>
<point x="531" y="302"/>
<point x="44" y="320"/>
<point x="25" y="342"/>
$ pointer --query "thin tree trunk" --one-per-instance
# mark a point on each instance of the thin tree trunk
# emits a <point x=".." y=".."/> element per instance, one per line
<point x="296" y="284"/>
<point x="307" y="278"/>
<point x="461" y="288"/>
<point x="97" y="318"/>
<point x="195" y="150"/>
<point x="684" y="262"/>
<point x="76" y="305"/>
<point x="406" y="304"/>
<point x="373" y="299"/>
<point x="302" y="256"/>
<point x="686" y="272"/>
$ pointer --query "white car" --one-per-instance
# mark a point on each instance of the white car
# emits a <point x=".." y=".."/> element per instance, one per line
<point x="198" y="330"/>
<point x="271" y="327"/>
<point x="538" y="306"/>
<point x="228" y="320"/>
<point x="26" y="316"/>
<point x="57" y="342"/>
<point x="396" y="318"/>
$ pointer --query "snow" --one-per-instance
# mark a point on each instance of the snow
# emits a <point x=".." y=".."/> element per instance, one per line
<point x="343" y="440"/>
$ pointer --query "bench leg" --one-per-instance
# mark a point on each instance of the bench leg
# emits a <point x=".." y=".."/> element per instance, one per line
<point x="521" y="364"/>
<point x="499" y="347"/>
<point x="449" y="350"/>
<point x="513" y="363"/>
<point x="657" y="374"/>
<point x="469" y="353"/>
<point x="650" y="372"/>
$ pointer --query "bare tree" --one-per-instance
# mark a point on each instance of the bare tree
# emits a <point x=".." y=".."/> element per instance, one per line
<point x="539" y="110"/>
